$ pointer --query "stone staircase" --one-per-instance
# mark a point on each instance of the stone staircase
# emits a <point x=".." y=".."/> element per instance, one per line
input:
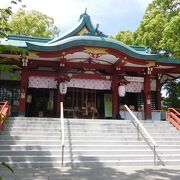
<point x="36" y="142"/>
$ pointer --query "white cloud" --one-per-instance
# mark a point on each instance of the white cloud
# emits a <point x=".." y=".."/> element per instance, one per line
<point x="143" y="3"/>
<point x="109" y="13"/>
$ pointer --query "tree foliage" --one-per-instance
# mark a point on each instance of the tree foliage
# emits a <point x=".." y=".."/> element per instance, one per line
<point x="160" y="27"/>
<point x="125" y="37"/>
<point x="150" y="30"/>
<point x="171" y="36"/>
<point x="5" y="13"/>
<point x="32" y="23"/>
<point x="6" y="63"/>
<point x="173" y="92"/>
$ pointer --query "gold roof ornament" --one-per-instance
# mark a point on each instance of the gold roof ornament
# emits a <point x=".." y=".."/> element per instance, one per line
<point x="33" y="54"/>
<point x="83" y="31"/>
<point x="151" y="63"/>
<point x="95" y="50"/>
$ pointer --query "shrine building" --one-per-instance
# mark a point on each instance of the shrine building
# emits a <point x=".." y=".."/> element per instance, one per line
<point x="95" y="69"/>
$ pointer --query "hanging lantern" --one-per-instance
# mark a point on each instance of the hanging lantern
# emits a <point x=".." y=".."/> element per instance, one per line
<point x="63" y="87"/>
<point x="122" y="90"/>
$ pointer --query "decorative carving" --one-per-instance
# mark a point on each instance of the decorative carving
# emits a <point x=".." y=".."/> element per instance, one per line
<point x="33" y="54"/>
<point x="94" y="50"/>
<point x="151" y="63"/>
<point x="82" y="31"/>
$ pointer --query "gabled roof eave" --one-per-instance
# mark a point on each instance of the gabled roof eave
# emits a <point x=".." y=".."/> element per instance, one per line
<point x="91" y="41"/>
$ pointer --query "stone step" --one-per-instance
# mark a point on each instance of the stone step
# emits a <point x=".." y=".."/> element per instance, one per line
<point x="56" y="136"/>
<point x="123" y="152"/>
<point x="39" y="152"/>
<point x="92" y="129"/>
<point x="83" y="147"/>
<point x="86" y="121"/>
<point x="23" y="133"/>
<point x="39" y="164"/>
<point x="88" y="133"/>
<point x="57" y="141"/>
<point x="36" y="142"/>
<point x="90" y="164"/>
<point x="30" y="142"/>
<point x="128" y="146"/>
<point x="5" y="137"/>
<point x="99" y="158"/>
<point x="84" y="126"/>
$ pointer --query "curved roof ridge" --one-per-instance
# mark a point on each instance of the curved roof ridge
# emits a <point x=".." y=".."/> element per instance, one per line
<point x="84" y="21"/>
<point x="27" y="38"/>
<point x="95" y="41"/>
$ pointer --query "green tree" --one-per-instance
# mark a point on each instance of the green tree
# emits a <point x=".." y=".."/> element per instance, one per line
<point x="32" y="23"/>
<point x="5" y="13"/>
<point x="160" y="27"/>
<point x="5" y="63"/>
<point x="172" y="88"/>
<point x="171" y="36"/>
<point x="149" y="33"/>
<point x="125" y="37"/>
<point x="9" y="65"/>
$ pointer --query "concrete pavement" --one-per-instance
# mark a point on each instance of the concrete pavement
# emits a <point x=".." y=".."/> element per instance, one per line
<point x="101" y="173"/>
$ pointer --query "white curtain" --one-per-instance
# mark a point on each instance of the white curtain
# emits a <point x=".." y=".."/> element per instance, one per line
<point x="90" y="84"/>
<point x="135" y="87"/>
<point x="42" y="82"/>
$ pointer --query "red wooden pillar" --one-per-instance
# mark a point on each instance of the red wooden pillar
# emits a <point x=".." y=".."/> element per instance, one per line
<point x="23" y="92"/>
<point x="115" y="96"/>
<point x="158" y="92"/>
<point x="147" y="97"/>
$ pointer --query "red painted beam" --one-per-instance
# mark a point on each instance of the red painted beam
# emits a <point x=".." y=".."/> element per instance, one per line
<point x="126" y="57"/>
<point x="36" y="63"/>
<point x="43" y="73"/>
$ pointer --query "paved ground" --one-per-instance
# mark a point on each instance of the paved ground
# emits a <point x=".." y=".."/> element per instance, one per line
<point x="104" y="173"/>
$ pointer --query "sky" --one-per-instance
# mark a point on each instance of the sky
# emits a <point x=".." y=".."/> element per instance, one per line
<point x="112" y="15"/>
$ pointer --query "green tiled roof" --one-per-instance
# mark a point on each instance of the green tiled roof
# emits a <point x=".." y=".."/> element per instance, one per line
<point x="169" y="60"/>
<point x="141" y="48"/>
<point x="28" y="38"/>
<point x="20" y="41"/>
<point x="90" y="41"/>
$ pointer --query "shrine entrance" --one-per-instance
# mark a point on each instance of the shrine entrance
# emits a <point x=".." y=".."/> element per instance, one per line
<point x="84" y="103"/>
<point x="41" y="102"/>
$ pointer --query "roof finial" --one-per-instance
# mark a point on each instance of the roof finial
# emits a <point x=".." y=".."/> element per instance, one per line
<point x="85" y="10"/>
<point x="97" y="26"/>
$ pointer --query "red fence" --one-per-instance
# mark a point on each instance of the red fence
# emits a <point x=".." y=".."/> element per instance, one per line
<point x="174" y="117"/>
<point x="4" y="112"/>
